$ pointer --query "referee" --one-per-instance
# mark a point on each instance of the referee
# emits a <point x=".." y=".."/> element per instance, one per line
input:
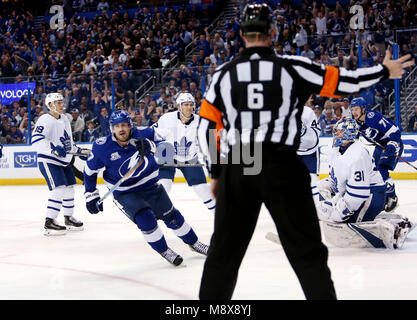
<point x="258" y="99"/>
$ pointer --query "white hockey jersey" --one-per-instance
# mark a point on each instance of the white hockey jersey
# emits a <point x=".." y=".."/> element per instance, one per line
<point x="352" y="174"/>
<point x="310" y="132"/>
<point x="57" y="131"/>
<point x="182" y="136"/>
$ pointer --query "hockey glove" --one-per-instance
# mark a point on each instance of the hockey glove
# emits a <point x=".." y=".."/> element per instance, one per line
<point x="59" y="151"/>
<point x="83" y="151"/>
<point x="388" y="158"/>
<point x="325" y="189"/>
<point x="149" y="147"/>
<point x="92" y="198"/>
<point x="336" y="210"/>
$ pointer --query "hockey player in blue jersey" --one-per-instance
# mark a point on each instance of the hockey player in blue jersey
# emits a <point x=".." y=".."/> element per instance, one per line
<point x="377" y="128"/>
<point x="141" y="198"/>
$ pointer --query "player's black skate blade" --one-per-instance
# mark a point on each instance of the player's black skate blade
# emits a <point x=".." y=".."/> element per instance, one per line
<point x="172" y="257"/>
<point x="53" y="229"/>
<point x="391" y="204"/>
<point x="199" y="247"/>
<point x="73" y="224"/>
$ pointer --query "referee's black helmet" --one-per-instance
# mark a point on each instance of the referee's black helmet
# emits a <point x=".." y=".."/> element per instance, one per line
<point x="257" y="18"/>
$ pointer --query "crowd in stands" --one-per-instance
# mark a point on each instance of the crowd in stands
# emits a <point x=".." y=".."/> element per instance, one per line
<point x="116" y="51"/>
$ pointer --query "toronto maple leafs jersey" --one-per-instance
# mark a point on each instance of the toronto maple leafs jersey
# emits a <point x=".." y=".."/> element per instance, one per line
<point x="352" y="173"/>
<point x="117" y="161"/>
<point x="380" y="129"/>
<point x="182" y="136"/>
<point x="310" y="132"/>
<point x="49" y="130"/>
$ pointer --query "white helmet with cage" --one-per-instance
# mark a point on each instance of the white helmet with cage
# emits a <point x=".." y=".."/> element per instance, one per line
<point x="51" y="98"/>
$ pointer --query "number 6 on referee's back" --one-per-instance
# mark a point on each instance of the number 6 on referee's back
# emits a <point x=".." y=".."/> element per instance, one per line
<point x="255" y="96"/>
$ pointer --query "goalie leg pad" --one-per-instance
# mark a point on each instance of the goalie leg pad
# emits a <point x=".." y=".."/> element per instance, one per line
<point x="372" y="234"/>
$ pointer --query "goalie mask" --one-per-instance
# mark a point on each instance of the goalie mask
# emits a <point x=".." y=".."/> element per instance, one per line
<point x="346" y="130"/>
<point x="184" y="98"/>
<point x="51" y="99"/>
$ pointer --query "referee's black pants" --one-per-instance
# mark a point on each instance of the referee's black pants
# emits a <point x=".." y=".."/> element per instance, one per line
<point x="284" y="187"/>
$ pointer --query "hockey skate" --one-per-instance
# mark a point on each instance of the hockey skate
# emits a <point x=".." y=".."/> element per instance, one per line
<point x="52" y="228"/>
<point x="391" y="204"/>
<point x="172" y="257"/>
<point x="199" y="247"/>
<point x="73" y="224"/>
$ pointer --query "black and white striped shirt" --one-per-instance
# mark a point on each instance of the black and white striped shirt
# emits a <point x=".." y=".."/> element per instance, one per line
<point x="259" y="97"/>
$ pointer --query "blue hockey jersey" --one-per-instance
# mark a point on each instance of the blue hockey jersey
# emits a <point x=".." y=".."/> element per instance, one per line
<point x="117" y="161"/>
<point x="379" y="129"/>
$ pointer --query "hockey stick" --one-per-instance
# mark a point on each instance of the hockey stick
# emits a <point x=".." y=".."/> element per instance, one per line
<point x="273" y="237"/>
<point x="80" y="154"/>
<point x="381" y="146"/>
<point x="126" y="176"/>
<point x="181" y="165"/>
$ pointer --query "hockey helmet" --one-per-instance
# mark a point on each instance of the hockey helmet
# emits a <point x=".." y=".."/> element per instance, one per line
<point x="51" y="98"/>
<point x="358" y="102"/>
<point x="257" y="18"/>
<point x="345" y="130"/>
<point x="184" y="97"/>
<point x="119" y="116"/>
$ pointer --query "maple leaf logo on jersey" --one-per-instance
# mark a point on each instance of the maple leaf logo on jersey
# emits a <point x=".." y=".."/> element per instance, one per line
<point x="66" y="141"/>
<point x="333" y="180"/>
<point x="182" y="148"/>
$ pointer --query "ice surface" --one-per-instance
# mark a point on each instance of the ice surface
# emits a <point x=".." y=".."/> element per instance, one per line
<point x="111" y="260"/>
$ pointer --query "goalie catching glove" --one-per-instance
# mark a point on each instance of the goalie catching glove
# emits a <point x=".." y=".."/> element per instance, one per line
<point x="92" y="199"/>
<point x="334" y="210"/>
<point x="324" y="187"/>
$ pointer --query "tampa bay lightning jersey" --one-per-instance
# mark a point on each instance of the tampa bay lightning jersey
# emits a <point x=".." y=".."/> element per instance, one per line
<point x="117" y="161"/>
<point x="379" y="129"/>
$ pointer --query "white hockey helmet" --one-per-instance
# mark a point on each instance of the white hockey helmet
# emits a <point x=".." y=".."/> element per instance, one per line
<point x="52" y="97"/>
<point x="184" y="97"/>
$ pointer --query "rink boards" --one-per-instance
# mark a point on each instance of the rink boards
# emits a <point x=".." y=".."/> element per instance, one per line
<point x="19" y="165"/>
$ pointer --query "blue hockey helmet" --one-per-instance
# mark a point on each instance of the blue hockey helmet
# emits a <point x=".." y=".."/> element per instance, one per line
<point x="119" y="116"/>
<point x="345" y="130"/>
<point x="358" y="102"/>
